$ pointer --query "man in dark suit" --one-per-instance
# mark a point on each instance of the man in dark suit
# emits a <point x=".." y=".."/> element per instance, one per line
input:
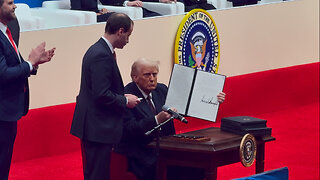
<point x="142" y="118"/>
<point x="14" y="89"/>
<point x="91" y="5"/>
<point x="101" y="102"/>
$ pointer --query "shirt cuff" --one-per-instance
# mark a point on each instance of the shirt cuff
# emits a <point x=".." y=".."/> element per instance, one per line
<point x="30" y="65"/>
<point x="125" y="3"/>
<point x="155" y="118"/>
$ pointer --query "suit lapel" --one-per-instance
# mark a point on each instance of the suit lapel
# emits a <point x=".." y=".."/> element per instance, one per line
<point x="8" y="44"/>
<point x="105" y="45"/>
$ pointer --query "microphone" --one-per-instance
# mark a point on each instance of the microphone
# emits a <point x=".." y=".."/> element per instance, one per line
<point x="174" y="114"/>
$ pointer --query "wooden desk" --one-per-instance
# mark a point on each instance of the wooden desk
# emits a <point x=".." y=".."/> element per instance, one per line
<point x="221" y="149"/>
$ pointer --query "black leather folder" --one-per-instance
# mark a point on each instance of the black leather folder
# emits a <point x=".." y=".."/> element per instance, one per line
<point x="245" y="124"/>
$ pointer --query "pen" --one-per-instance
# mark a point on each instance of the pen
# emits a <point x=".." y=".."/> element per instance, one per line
<point x="140" y="99"/>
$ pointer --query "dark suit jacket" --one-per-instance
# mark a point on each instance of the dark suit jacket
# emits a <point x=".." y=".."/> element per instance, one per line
<point x="89" y="5"/>
<point x="140" y="120"/>
<point x="14" y="89"/>
<point x="243" y="2"/>
<point x="85" y="5"/>
<point x="15" y="30"/>
<point x="100" y="104"/>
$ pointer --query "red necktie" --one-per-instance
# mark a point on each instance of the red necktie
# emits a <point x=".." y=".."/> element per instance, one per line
<point x="150" y="104"/>
<point x="11" y="40"/>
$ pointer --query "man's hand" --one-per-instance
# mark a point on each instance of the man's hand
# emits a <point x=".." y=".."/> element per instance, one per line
<point x="162" y="116"/>
<point x="135" y="3"/>
<point x="102" y="11"/>
<point x="39" y="55"/>
<point x="221" y="97"/>
<point x="132" y="100"/>
<point x="168" y="1"/>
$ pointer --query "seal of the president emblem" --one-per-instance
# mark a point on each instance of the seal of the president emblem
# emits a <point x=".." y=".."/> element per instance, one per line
<point x="197" y="42"/>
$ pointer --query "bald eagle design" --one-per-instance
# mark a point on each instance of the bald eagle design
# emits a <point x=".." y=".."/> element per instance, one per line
<point x="198" y="49"/>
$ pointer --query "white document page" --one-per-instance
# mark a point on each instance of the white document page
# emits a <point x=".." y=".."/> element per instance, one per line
<point x="179" y="88"/>
<point x="204" y="103"/>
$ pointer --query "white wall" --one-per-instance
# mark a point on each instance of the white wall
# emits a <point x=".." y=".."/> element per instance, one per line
<point x="252" y="38"/>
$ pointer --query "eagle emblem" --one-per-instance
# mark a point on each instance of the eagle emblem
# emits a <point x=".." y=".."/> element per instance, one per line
<point x="198" y="50"/>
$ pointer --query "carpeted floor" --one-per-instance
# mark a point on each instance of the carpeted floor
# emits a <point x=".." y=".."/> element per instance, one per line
<point x="296" y="146"/>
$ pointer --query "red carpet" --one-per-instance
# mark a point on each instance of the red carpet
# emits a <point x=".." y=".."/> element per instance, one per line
<point x="288" y="98"/>
<point x="62" y="167"/>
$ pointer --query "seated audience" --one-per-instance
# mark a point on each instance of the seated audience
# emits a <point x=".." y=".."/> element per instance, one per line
<point x="91" y="5"/>
<point x="136" y="3"/>
<point x="197" y="4"/>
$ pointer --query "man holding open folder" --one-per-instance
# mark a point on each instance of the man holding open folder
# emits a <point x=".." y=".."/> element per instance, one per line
<point x="145" y="116"/>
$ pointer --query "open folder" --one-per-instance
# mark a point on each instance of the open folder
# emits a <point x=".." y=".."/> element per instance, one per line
<point x="194" y="92"/>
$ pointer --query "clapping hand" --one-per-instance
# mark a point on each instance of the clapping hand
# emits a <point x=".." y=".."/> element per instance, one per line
<point x="39" y="55"/>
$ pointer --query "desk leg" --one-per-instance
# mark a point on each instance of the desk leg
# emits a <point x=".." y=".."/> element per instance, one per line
<point x="260" y="158"/>
<point x="211" y="172"/>
<point x="161" y="170"/>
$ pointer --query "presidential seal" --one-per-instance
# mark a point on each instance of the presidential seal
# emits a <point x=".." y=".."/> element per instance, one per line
<point x="197" y="42"/>
<point x="248" y="149"/>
